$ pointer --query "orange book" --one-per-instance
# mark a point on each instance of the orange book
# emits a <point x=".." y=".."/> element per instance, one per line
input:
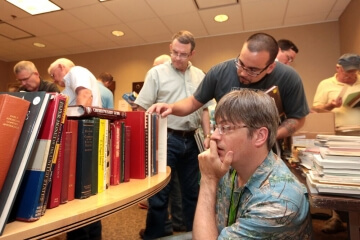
<point x="13" y="112"/>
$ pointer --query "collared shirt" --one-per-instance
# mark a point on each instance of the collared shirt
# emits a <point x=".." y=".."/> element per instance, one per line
<point x="165" y="84"/>
<point x="81" y="77"/>
<point x="44" y="86"/>
<point x="328" y="90"/>
<point x="273" y="205"/>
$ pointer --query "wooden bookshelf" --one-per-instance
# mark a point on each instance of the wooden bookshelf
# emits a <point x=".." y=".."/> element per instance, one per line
<point x="77" y="213"/>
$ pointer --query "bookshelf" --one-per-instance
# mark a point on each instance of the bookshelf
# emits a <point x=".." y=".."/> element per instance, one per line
<point x="81" y="212"/>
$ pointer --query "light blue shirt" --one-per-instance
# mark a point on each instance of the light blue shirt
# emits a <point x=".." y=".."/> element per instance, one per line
<point x="107" y="97"/>
<point x="273" y="205"/>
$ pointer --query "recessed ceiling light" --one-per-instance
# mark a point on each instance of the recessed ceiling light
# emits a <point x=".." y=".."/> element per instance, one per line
<point x="221" y="18"/>
<point x="118" y="33"/>
<point x="40" y="45"/>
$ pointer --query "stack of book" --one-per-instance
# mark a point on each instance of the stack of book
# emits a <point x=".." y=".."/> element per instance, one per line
<point x="336" y="167"/>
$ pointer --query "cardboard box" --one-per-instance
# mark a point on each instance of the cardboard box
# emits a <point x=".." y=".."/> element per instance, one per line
<point x="317" y="123"/>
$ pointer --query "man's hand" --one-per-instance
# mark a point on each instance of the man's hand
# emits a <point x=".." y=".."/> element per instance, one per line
<point x="161" y="108"/>
<point x="336" y="102"/>
<point x="210" y="164"/>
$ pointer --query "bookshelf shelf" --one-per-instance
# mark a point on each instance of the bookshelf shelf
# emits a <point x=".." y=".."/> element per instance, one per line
<point x="77" y="212"/>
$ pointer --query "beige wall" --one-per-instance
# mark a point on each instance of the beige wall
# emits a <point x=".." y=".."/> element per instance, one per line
<point x="350" y="28"/>
<point x="318" y="44"/>
<point x="319" y="48"/>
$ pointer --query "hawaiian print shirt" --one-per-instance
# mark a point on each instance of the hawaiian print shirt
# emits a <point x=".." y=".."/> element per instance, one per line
<point x="273" y="205"/>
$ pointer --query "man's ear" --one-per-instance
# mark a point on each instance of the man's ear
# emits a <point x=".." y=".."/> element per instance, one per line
<point x="260" y="136"/>
<point x="271" y="67"/>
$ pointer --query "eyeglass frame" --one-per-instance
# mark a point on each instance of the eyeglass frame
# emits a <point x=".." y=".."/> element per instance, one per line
<point x="174" y="53"/>
<point x="239" y="64"/>
<point x="25" y="79"/>
<point x="224" y="129"/>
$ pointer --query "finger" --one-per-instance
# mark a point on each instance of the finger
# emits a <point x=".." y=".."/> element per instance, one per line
<point x="227" y="161"/>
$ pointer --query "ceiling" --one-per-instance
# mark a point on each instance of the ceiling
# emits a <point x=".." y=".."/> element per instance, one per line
<point x="86" y="25"/>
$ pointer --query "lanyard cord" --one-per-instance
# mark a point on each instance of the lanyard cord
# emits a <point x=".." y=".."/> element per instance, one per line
<point x="234" y="203"/>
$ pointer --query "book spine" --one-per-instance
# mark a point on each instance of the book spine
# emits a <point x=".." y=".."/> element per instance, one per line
<point x="66" y="169"/>
<point x="84" y="154"/>
<point x="59" y="113"/>
<point x="127" y="154"/>
<point x="107" y="151"/>
<point x="122" y="151"/>
<point x="73" y="128"/>
<point x="115" y="152"/>
<point x="101" y="154"/>
<point x="94" y="159"/>
<point x="12" y="118"/>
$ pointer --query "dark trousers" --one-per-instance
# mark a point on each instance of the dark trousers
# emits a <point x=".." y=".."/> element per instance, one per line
<point x="182" y="153"/>
<point x="88" y="232"/>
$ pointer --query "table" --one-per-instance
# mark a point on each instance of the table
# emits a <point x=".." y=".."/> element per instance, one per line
<point x="339" y="203"/>
<point x="81" y="212"/>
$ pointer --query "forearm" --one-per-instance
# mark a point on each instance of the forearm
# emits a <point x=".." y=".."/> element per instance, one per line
<point x="205" y="125"/>
<point x="185" y="106"/>
<point x="84" y="97"/>
<point x="205" y="218"/>
<point x="289" y="126"/>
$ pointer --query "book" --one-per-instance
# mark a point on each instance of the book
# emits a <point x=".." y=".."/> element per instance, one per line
<point x="123" y="148"/>
<point x="352" y="100"/>
<point x="101" y="156"/>
<point x="136" y="120"/>
<point x="107" y="157"/>
<point x="275" y="94"/>
<point x="35" y="115"/>
<point x="33" y="190"/>
<point x="13" y="112"/>
<point x="72" y="127"/>
<point x="95" y="156"/>
<point x="199" y="137"/>
<point x="340" y="155"/>
<point x="62" y="101"/>
<point x="336" y="163"/>
<point x="127" y="153"/>
<point x="79" y="111"/>
<point x="66" y="168"/>
<point x="115" y="128"/>
<point x="56" y="183"/>
<point x="130" y="98"/>
<point x="83" y="158"/>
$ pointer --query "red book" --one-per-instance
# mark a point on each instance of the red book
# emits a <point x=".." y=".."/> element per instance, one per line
<point x="55" y="191"/>
<point x="66" y="165"/>
<point x="72" y="126"/>
<point x="115" y="152"/>
<point x="13" y="112"/>
<point x="127" y="153"/>
<point x="136" y="120"/>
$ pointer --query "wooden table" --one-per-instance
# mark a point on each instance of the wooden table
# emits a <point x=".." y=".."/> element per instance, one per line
<point x="81" y="212"/>
<point x="339" y="203"/>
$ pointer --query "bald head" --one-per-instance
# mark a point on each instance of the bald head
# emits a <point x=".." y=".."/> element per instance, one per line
<point x="161" y="59"/>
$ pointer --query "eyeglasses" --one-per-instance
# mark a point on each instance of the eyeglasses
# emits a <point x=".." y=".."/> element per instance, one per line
<point x="251" y="72"/>
<point x="224" y="129"/>
<point x="180" y="55"/>
<point x="25" y="79"/>
<point x="289" y="58"/>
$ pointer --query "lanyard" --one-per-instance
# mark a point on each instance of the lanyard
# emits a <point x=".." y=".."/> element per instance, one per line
<point x="234" y="203"/>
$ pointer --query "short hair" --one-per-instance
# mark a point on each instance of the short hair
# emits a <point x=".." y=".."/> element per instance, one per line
<point x="25" y="65"/>
<point x="185" y="37"/>
<point x="105" y="77"/>
<point x="63" y="61"/>
<point x="254" y="108"/>
<point x="285" y="44"/>
<point x="263" y="42"/>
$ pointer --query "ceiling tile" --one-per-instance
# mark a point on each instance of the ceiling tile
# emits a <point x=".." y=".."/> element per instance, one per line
<point x="172" y="7"/>
<point x="203" y="4"/>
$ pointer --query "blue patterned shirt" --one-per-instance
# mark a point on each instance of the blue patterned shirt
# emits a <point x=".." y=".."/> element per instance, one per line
<point x="273" y="205"/>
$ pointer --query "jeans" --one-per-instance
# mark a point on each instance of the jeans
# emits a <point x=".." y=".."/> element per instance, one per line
<point x="182" y="153"/>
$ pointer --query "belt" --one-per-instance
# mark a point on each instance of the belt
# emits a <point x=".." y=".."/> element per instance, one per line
<point x="181" y="133"/>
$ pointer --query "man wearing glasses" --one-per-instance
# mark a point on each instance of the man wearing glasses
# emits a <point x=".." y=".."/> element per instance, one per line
<point x="287" y="51"/>
<point x="171" y="82"/>
<point x="246" y="191"/>
<point x="255" y="68"/>
<point x="29" y="78"/>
